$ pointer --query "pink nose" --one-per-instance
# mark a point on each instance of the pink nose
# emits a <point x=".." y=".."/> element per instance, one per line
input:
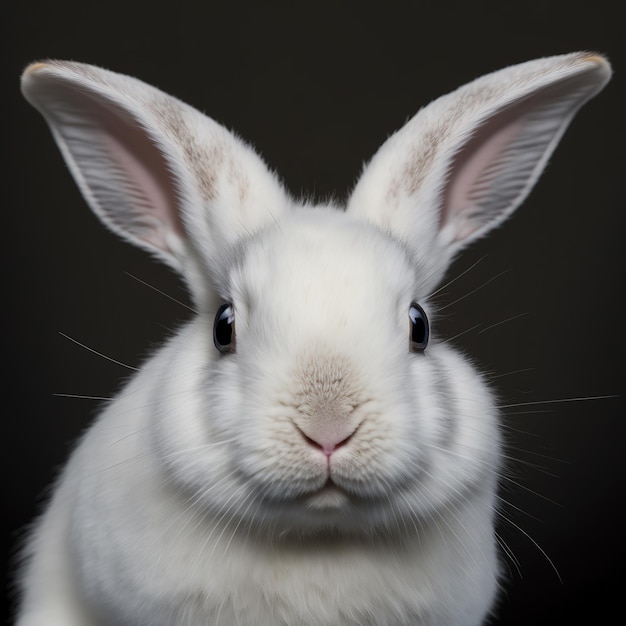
<point x="327" y="443"/>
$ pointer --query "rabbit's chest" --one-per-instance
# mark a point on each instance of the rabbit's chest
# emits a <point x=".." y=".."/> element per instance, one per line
<point x="299" y="589"/>
<point x="321" y="586"/>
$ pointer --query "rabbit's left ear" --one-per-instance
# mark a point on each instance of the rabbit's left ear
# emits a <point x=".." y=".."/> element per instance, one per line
<point x="466" y="161"/>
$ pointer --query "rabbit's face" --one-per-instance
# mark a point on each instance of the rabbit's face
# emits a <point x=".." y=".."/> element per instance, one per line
<point x="328" y="415"/>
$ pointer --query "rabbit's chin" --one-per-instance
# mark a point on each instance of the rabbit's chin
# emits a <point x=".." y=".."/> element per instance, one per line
<point x="328" y="511"/>
<point x="330" y="497"/>
<point x="333" y="510"/>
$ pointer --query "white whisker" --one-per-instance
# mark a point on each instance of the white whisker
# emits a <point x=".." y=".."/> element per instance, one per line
<point x="469" y="330"/>
<point x="535" y="412"/>
<point x="204" y="446"/>
<point x="509" y="319"/>
<point x="519" y="485"/>
<point x="520" y="371"/>
<point x="509" y="553"/>
<point x="471" y="267"/>
<point x="469" y="293"/>
<point x="276" y="222"/>
<point x="80" y="397"/>
<point x="543" y="552"/>
<point x="143" y="282"/>
<point x="579" y="399"/>
<point x="104" y="356"/>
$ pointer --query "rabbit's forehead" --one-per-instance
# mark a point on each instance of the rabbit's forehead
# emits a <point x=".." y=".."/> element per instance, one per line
<point x="322" y="258"/>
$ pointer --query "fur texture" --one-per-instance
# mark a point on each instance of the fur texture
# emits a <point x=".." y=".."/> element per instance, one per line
<point x="322" y="473"/>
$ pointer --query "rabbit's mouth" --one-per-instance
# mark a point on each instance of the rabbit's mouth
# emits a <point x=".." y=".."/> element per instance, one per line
<point x="329" y="496"/>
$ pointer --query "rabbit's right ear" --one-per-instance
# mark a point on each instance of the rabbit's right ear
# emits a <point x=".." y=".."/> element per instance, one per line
<point x="155" y="170"/>
<point x="466" y="161"/>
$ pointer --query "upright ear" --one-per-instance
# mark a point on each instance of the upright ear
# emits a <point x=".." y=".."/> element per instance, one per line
<point x="466" y="161"/>
<point x="155" y="170"/>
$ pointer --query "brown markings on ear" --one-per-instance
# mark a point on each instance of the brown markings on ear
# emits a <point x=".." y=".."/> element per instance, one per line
<point x="204" y="156"/>
<point x="421" y="158"/>
<point x="208" y="156"/>
<point x="437" y="135"/>
<point x="203" y="159"/>
<point x="466" y="103"/>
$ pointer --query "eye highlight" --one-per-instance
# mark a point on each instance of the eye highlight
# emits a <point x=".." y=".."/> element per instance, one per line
<point x="224" y="329"/>
<point x="419" y="329"/>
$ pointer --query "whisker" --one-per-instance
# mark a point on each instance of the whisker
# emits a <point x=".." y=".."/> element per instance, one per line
<point x="508" y="427"/>
<point x="509" y="553"/>
<point x="226" y="512"/>
<point x="130" y="434"/>
<point x="579" y="399"/>
<point x="471" y="267"/>
<point x="503" y="476"/>
<point x="520" y="371"/>
<point x="466" y="457"/>
<point x="535" y="412"/>
<point x="104" y="356"/>
<point x="469" y="330"/>
<point x="517" y="508"/>
<point x="132" y="459"/>
<point x="205" y="446"/>
<point x="469" y="293"/>
<point x="515" y="483"/>
<point x="274" y="219"/>
<point x="542" y="456"/>
<point x="510" y="319"/>
<point x="81" y="397"/>
<point x="167" y="295"/>
<point x="543" y="552"/>
<point x="395" y="509"/>
<point x="252" y="497"/>
<point x="191" y="503"/>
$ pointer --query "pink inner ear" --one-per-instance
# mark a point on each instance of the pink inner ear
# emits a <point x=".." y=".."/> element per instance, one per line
<point x="475" y="169"/>
<point x="141" y="169"/>
<point x="121" y="170"/>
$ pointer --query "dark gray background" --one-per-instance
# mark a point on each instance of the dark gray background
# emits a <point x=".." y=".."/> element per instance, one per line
<point x="316" y="88"/>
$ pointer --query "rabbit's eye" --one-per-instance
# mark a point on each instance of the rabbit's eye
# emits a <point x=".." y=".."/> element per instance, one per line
<point x="419" y="329"/>
<point x="224" y="329"/>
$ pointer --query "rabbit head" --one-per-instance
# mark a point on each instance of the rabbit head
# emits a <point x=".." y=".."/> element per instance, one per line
<point x="309" y="392"/>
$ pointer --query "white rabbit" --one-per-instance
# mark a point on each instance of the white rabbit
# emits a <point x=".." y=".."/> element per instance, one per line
<point x="301" y="452"/>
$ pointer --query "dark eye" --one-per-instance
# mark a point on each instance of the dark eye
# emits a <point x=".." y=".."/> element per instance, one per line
<point x="224" y="329"/>
<point x="419" y="330"/>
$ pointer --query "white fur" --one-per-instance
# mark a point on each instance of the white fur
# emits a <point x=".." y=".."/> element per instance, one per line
<point x="198" y="496"/>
